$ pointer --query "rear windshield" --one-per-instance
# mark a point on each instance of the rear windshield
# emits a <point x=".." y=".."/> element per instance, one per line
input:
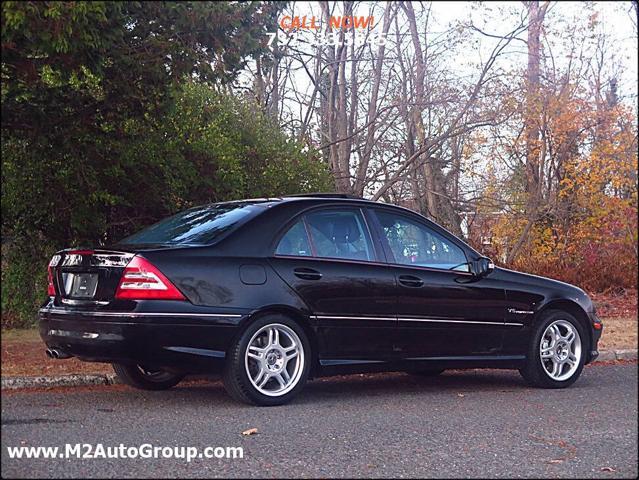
<point x="196" y="226"/>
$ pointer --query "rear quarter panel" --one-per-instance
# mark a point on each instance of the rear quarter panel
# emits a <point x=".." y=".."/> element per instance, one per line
<point x="232" y="282"/>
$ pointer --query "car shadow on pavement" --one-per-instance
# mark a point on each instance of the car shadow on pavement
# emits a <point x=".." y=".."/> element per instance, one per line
<point x="402" y="383"/>
<point x="205" y="391"/>
<point x="327" y="389"/>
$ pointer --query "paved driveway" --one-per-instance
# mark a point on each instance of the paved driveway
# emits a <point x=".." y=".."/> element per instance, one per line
<point x="464" y="423"/>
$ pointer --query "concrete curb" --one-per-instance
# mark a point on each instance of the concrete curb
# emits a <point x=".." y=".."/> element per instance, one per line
<point x="606" y="356"/>
<point x="12" y="383"/>
<point x="612" y="355"/>
<point x="628" y="354"/>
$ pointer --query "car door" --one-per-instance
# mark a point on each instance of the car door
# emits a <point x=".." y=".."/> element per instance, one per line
<point x="330" y="259"/>
<point x="442" y="309"/>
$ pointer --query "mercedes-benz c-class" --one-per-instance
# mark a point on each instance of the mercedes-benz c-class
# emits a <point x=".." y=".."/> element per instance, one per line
<point x="271" y="292"/>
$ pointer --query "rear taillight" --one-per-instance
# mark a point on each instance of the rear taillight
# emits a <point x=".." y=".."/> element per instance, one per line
<point x="141" y="280"/>
<point x="50" y="286"/>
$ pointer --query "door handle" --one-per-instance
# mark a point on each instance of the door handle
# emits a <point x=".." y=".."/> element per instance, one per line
<point x="411" y="281"/>
<point x="307" y="273"/>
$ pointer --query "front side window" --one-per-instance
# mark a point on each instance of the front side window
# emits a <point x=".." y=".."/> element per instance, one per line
<point x="415" y="244"/>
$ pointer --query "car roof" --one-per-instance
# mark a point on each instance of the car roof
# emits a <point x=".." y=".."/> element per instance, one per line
<point x="325" y="198"/>
<point x="325" y="195"/>
<point x="302" y="197"/>
<point x="319" y="198"/>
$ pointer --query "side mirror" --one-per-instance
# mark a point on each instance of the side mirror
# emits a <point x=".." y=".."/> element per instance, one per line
<point x="483" y="266"/>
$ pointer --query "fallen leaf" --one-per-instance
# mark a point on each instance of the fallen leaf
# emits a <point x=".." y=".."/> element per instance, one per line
<point x="250" y="431"/>
<point x="608" y="469"/>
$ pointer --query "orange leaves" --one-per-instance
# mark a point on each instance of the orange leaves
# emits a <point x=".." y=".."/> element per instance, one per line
<point x="585" y="231"/>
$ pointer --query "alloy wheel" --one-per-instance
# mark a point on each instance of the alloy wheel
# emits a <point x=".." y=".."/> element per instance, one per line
<point x="560" y="350"/>
<point x="274" y="360"/>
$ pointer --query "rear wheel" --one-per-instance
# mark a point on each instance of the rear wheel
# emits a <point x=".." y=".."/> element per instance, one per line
<point x="556" y="354"/>
<point x="146" y="378"/>
<point x="269" y="363"/>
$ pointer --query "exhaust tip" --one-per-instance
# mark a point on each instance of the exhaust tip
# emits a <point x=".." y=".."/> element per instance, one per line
<point x="57" y="354"/>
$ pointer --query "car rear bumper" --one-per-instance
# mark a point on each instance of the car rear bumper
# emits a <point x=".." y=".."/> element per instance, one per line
<point x="189" y="342"/>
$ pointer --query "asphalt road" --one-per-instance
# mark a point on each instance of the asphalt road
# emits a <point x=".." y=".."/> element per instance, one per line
<point x="462" y="424"/>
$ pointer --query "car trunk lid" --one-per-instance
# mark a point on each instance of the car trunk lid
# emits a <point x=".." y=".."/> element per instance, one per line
<point x="88" y="276"/>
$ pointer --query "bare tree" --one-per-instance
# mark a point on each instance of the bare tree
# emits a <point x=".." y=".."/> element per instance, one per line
<point x="534" y="149"/>
<point x="446" y="119"/>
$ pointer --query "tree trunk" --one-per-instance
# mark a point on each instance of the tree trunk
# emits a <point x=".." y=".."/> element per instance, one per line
<point x="360" y="180"/>
<point x="532" y="121"/>
<point x="420" y="73"/>
<point x="336" y="118"/>
<point x="533" y="107"/>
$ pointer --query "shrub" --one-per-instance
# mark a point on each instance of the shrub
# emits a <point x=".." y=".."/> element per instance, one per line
<point x="207" y="147"/>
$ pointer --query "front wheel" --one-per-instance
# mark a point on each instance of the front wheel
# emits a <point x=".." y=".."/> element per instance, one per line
<point x="269" y="363"/>
<point x="146" y="378"/>
<point x="556" y="354"/>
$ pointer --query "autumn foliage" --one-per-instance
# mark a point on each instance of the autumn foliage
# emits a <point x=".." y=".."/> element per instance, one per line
<point x="585" y="231"/>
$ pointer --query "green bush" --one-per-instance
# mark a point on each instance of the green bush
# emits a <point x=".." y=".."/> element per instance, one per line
<point x="92" y="191"/>
<point x="102" y="134"/>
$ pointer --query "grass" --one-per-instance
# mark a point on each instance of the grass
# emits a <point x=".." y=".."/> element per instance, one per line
<point x="23" y="355"/>
<point x="16" y="335"/>
<point x="619" y="333"/>
<point x="23" y="350"/>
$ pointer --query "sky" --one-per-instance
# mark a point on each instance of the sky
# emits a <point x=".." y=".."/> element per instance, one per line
<point x="615" y="18"/>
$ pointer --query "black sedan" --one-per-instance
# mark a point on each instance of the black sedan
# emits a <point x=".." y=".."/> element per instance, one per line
<point x="273" y="291"/>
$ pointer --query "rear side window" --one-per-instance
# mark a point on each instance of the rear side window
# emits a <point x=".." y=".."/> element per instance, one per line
<point x="295" y="242"/>
<point x="334" y="233"/>
<point x="197" y="226"/>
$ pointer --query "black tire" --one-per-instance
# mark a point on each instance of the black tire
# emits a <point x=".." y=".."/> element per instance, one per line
<point x="139" y="377"/>
<point x="427" y="373"/>
<point x="534" y="372"/>
<point x="235" y="377"/>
